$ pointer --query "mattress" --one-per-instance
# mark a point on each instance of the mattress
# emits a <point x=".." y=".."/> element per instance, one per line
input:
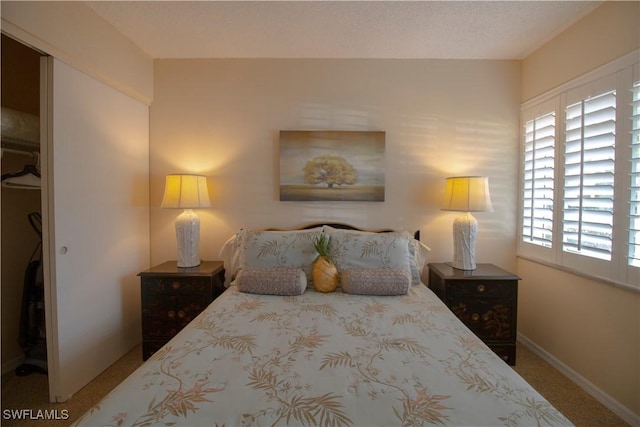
<point x="324" y="359"/>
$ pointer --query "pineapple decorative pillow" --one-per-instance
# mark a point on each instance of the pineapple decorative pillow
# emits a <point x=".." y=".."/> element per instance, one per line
<point x="325" y="273"/>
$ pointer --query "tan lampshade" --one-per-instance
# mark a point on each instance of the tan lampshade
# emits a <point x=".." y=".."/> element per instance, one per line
<point x="467" y="194"/>
<point x="186" y="192"/>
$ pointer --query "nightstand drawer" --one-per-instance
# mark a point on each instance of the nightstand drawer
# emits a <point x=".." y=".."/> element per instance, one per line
<point x="165" y="315"/>
<point x="182" y="285"/>
<point x="489" y="319"/>
<point x="482" y="288"/>
<point x="172" y="297"/>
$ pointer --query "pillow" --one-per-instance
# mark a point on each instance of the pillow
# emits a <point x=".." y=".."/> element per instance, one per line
<point x="376" y="281"/>
<point x="230" y="256"/>
<point x="418" y="252"/>
<point x="421" y="256"/>
<point x="271" y="281"/>
<point x="267" y="249"/>
<point x="358" y="249"/>
<point x="231" y="252"/>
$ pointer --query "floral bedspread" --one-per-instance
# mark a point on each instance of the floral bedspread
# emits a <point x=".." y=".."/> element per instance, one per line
<point x="324" y="360"/>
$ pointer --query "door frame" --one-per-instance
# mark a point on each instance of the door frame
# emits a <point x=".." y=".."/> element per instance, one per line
<point x="48" y="220"/>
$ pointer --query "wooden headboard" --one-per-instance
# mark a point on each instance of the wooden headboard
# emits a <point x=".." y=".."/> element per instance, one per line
<point x="416" y="234"/>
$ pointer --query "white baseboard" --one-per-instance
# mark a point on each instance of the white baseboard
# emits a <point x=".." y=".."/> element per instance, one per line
<point x="616" y="407"/>
<point x="12" y="364"/>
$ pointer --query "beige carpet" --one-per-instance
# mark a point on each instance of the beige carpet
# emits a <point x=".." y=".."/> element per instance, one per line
<point x="577" y="405"/>
<point x="31" y="392"/>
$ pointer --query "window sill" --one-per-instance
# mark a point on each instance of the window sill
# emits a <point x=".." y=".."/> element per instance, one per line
<point x="602" y="280"/>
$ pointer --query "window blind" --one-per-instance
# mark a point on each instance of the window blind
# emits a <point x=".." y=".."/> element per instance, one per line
<point x="634" y="202"/>
<point x="589" y="169"/>
<point x="539" y="149"/>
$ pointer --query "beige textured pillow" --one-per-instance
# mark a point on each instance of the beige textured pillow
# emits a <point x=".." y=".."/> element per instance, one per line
<point x="272" y="281"/>
<point x="376" y="281"/>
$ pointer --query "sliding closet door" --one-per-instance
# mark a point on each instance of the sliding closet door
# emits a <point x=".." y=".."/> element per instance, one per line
<point x="95" y="209"/>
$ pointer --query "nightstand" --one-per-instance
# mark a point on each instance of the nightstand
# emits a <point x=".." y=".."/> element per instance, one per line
<point x="485" y="300"/>
<point x="173" y="296"/>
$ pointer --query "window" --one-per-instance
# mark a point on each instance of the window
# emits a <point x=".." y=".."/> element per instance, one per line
<point x="539" y="149"/>
<point x="634" y="205"/>
<point x="589" y="171"/>
<point x="580" y="175"/>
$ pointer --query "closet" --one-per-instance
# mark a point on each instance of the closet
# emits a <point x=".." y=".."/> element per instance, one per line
<point x="20" y="203"/>
<point x="93" y="158"/>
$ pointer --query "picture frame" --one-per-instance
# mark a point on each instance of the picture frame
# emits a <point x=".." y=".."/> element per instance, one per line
<point x="332" y="165"/>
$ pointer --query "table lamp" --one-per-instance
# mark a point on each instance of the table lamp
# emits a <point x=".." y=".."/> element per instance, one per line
<point x="187" y="192"/>
<point x="466" y="194"/>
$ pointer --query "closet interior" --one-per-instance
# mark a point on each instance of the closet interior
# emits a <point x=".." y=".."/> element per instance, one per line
<point x="23" y="325"/>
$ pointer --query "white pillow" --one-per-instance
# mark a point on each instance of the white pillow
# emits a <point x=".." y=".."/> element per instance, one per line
<point x="230" y="256"/>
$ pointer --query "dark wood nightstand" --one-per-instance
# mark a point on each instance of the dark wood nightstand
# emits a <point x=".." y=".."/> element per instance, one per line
<point x="485" y="299"/>
<point x="172" y="297"/>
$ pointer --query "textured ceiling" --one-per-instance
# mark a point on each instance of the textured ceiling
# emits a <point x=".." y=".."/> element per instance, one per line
<point x="341" y="29"/>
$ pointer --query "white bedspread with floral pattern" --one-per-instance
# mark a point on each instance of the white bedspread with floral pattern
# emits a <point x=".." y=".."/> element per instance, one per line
<point x="324" y="360"/>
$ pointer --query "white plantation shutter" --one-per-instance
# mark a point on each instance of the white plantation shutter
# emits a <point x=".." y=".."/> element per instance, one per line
<point x="538" y="179"/>
<point x="634" y="201"/>
<point x="589" y="176"/>
<point x="580" y="175"/>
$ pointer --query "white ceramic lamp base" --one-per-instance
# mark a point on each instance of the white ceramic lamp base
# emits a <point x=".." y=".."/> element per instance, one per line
<point x="188" y="238"/>
<point x="465" y="230"/>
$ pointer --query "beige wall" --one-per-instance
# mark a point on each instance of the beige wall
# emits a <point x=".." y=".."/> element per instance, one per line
<point x="441" y="118"/>
<point x="591" y="327"/>
<point x="73" y="33"/>
<point x="609" y="32"/>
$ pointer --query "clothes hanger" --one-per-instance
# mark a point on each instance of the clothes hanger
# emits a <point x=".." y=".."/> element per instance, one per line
<point x="27" y="178"/>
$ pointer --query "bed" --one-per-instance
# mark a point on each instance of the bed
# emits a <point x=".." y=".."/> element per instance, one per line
<point x="270" y="351"/>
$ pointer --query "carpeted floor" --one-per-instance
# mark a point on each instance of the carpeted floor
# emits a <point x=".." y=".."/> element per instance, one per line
<point x="31" y="392"/>
<point x="580" y="407"/>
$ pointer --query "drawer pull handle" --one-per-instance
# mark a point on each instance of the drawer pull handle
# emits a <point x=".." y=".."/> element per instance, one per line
<point x="481" y="288"/>
<point x="171" y="314"/>
<point x="175" y="285"/>
<point x="181" y="314"/>
<point x="475" y="317"/>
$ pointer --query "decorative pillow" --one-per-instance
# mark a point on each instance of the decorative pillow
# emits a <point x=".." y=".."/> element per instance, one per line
<point x="266" y="249"/>
<point x="417" y="258"/>
<point x="376" y="281"/>
<point x="357" y="249"/>
<point x="272" y="281"/>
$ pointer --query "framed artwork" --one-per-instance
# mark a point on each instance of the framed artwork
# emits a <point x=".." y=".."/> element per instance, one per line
<point x="332" y="165"/>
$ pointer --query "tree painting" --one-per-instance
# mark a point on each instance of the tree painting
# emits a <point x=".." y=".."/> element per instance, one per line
<point x="332" y="166"/>
<point x="331" y="170"/>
